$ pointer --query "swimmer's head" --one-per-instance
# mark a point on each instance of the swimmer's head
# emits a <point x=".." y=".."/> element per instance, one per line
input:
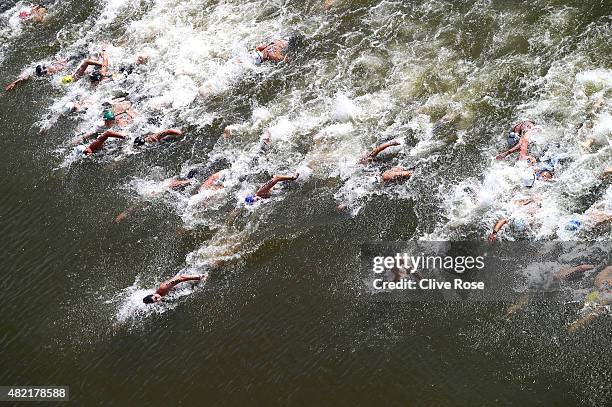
<point x="66" y="80"/>
<point x="513" y="139"/>
<point x="519" y="224"/>
<point x="151" y="298"/>
<point x="108" y="115"/>
<point x="250" y="199"/>
<point x="257" y="57"/>
<point x="95" y="76"/>
<point x="142" y="59"/>
<point x="23" y="14"/>
<point x="139" y="141"/>
<point x="41" y="70"/>
<point x="545" y="175"/>
<point x="192" y="173"/>
<point x="573" y="225"/>
<point x="529" y="181"/>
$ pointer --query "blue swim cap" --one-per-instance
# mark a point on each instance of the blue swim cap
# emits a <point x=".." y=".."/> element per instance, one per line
<point x="250" y="199"/>
<point x="573" y="224"/>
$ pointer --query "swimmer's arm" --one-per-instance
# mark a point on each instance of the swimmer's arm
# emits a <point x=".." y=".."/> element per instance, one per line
<point x="20" y="79"/>
<point x="177" y="184"/>
<point x="155" y="137"/>
<point x="184" y="277"/>
<point x="607" y="171"/>
<point x="568" y="273"/>
<point x="86" y="137"/>
<point x="498" y="226"/>
<point x="265" y="188"/>
<point x="507" y="153"/>
<point x="261" y="47"/>
<point x="379" y="150"/>
<point x="114" y="134"/>
<point x="104" y="64"/>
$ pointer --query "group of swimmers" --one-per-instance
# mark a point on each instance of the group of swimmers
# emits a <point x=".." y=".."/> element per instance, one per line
<point x="117" y="114"/>
<point x="541" y="170"/>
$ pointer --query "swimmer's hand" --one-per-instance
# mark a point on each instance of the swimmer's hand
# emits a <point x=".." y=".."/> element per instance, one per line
<point x="492" y="237"/>
<point x="500" y="156"/>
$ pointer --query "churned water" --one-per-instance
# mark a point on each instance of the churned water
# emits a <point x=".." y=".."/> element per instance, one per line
<point x="284" y="319"/>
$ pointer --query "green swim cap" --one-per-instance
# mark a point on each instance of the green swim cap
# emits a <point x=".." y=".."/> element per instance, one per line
<point x="108" y="114"/>
<point x="66" y="80"/>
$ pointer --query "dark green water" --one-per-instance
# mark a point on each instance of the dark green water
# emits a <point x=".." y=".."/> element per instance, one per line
<point x="288" y="322"/>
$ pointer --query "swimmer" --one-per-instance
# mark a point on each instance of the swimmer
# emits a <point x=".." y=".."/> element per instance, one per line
<point x="372" y="155"/>
<point x="264" y="191"/>
<point x="572" y="273"/>
<point x="109" y="119"/>
<point x="275" y="51"/>
<point x="36" y="14"/>
<point x="40" y="71"/>
<point x="98" y="143"/>
<point x="593" y="216"/>
<point x="99" y="73"/>
<point x="396" y="174"/>
<point x="214" y="182"/>
<point x="564" y="274"/>
<point x="518" y="140"/>
<point x="167" y="286"/>
<point x="597" y="302"/>
<point x="164" y="135"/>
<point x="530" y="204"/>
<point x="544" y="170"/>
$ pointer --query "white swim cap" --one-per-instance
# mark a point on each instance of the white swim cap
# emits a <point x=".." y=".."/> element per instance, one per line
<point x="257" y="57"/>
<point x="79" y="150"/>
<point x="519" y="224"/>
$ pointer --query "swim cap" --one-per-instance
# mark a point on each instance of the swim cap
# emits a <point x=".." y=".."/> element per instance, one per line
<point x="513" y="139"/>
<point x="79" y="150"/>
<point x="573" y="225"/>
<point x="257" y="57"/>
<point x="139" y="141"/>
<point x="24" y="14"/>
<point x="108" y="114"/>
<point x="519" y="224"/>
<point x="66" y="80"/>
<point x="250" y="199"/>
<point x="544" y="168"/>
<point x="41" y="70"/>
<point x="95" y="76"/>
<point x="529" y="181"/>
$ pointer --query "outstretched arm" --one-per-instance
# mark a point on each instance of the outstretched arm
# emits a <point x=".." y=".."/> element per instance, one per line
<point x="184" y="277"/>
<point x="264" y="190"/>
<point x="378" y="150"/>
<point x="20" y="79"/>
<point x="498" y="226"/>
<point x="104" y="65"/>
<point x="98" y="143"/>
<point x="395" y="174"/>
<point x="80" y="71"/>
<point x="572" y="273"/>
<point x="505" y="154"/>
<point x="155" y="137"/>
